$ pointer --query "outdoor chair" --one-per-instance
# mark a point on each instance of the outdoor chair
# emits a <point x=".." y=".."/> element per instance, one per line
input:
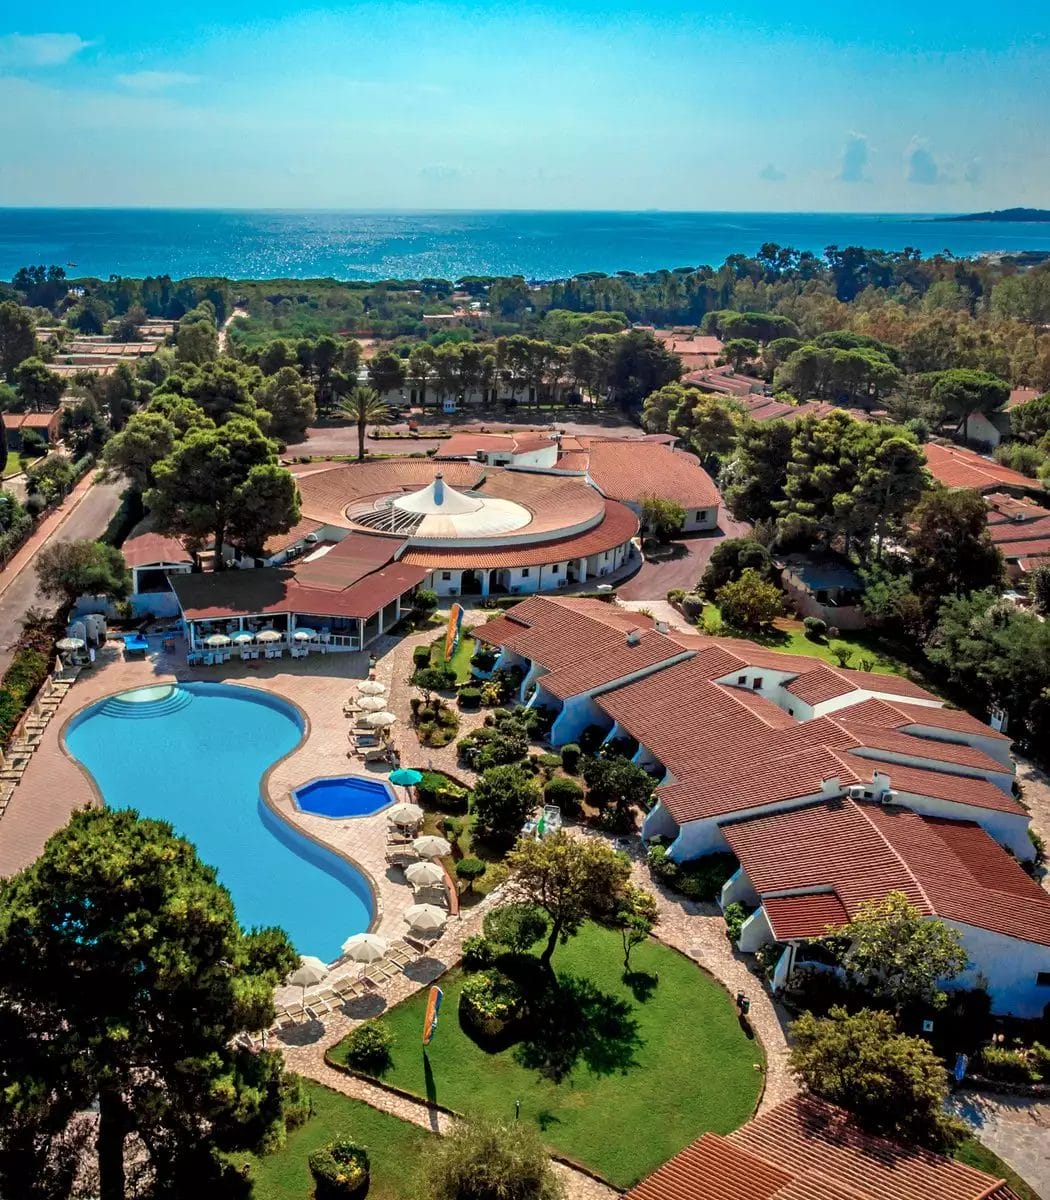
<point x="349" y="988"/>
<point x="379" y="972"/>
<point x="401" y="954"/>
<point x="415" y="943"/>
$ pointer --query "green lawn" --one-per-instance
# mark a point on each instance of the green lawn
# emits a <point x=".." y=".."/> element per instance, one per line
<point x="789" y="636"/>
<point x="460" y="660"/>
<point x="974" y="1154"/>
<point x="652" y="1072"/>
<point x="13" y="465"/>
<point x="394" y="1146"/>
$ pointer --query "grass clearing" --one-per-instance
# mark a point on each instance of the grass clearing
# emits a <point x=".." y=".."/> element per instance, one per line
<point x="461" y="656"/>
<point x="13" y="464"/>
<point x="394" y="1146"/>
<point x="650" y="1069"/>
<point x="974" y="1154"/>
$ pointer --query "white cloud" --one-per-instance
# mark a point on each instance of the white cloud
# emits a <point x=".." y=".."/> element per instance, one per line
<point x="155" y="81"/>
<point x="855" y="159"/>
<point x="40" y="49"/>
<point x="922" y="166"/>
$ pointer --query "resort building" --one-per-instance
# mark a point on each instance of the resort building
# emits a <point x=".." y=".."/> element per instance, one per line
<point x="735" y="735"/>
<point x="1020" y="527"/>
<point x="989" y="429"/>
<point x="957" y="467"/>
<point x="805" y="1149"/>
<point x="44" y="424"/>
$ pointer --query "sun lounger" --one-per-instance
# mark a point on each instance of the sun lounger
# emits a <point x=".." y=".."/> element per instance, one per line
<point x="378" y="973"/>
<point x="401" y="954"/>
<point x="415" y="943"/>
<point x="350" y="988"/>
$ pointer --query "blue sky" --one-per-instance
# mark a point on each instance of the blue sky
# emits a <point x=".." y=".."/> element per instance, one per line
<point x="589" y="104"/>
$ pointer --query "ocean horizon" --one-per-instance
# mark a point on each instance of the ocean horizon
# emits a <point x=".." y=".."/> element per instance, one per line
<point x="412" y="244"/>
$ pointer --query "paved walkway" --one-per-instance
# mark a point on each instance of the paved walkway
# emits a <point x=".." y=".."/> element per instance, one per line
<point x="692" y="552"/>
<point x="1014" y="1127"/>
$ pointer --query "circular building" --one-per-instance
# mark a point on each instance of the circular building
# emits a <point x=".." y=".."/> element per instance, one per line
<point x="475" y="529"/>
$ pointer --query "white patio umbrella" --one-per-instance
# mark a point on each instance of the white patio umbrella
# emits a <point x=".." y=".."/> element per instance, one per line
<point x="365" y="947"/>
<point x="380" y="720"/>
<point x="244" y="636"/>
<point x="310" y="971"/>
<point x="68" y="644"/>
<point x="268" y="635"/>
<point x="427" y="918"/>
<point x="217" y="639"/>
<point x="371" y="687"/>
<point x="404" y="814"/>
<point x="302" y="635"/>
<point x="431" y="847"/>
<point x="372" y="703"/>
<point x="424" y="874"/>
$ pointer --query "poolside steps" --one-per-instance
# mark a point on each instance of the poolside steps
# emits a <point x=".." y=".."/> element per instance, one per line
<point x="175" y="701"/>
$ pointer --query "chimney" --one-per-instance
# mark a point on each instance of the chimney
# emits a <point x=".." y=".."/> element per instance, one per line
<point x="634" y="636"/>
<point x="662" y="627"/>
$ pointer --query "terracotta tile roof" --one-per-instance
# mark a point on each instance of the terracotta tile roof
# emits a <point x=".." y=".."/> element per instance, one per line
<point x="144" y="547"/>
<point x="808" y="915"/>
<point x="272" y="590"/>
<point x="1019" y="396"/>
<point x="325" y="493"/>
<point x="625" y="469"/>
<point x="876" y="737"/>
<point x="525" y="443"/>
<point x="804" y="1149"/>
<point x="816" y="686"/>
<point x="618" y="527"/>
<point x="899" y="714"/>
<point x="1003" y="507"/>
<point x="32" y="420"/>
<point x="886" y="684"/>
<point x="356" y="556"/>
<point x="958" y="468"/>
<point x="281" y="541"/>
<point x="939" y="785"/>
<point x="573" y="460"/>
<point x="1006" y="533"/>
<point x="466" y="445"/>
<point x="603" y="667"/>
<point x="862" y="851"/>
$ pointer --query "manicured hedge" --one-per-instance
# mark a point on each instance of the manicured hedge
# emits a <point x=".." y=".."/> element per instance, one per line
<point x="26" y="674"/>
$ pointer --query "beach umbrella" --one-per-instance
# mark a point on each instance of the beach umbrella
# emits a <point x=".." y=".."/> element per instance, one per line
<point x="427" y="918"/>
<point x="217" y="639"/>
<point x="371" y="687"/>
<point x="424" y="874"/>
<point x="431" y="847"/>
<point x="372" y="703"/>
<point x="268" y="635"/>
<point x="406" y="777"/>
<point x="365" y="947"/>
<point x="243" y="636"/>
<point x="68" y="644"/>
<point x="310" y="971"/>
<point x="404" y="814"/>
<point x="380" y="720"/>
<point x="302" y="635"/>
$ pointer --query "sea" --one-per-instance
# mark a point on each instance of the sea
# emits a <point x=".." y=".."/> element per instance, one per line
<point x="242" y="244"/>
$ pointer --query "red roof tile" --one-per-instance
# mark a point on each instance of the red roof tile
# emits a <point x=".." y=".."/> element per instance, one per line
<point x="956" y="467"/>
<point x="145" y="547"/>
<point x="809" y="915"/>
<point x="625" y="469"/>
<point x="876" y="737"/>
<point x="862" y="851"/>
<point x="900" y="714"/>
<point x="804" y="1149"/>
<point x="356" y="556"/>
<point x="281" y="541"/>
<point x="921" y="781"/>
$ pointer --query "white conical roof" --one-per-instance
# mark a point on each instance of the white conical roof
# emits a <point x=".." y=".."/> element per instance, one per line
<point x="438" y="499"/>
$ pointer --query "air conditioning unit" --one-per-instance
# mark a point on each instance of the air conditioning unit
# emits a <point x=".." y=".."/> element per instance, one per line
<point x="312" y="538"/>
<point x="856" y="792"/>
<point x="889" y="796"/>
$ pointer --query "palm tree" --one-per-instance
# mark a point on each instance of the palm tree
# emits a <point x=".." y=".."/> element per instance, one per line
<point x="365" y="406"/>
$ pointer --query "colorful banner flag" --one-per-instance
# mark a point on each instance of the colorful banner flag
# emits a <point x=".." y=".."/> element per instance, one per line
<point x="455" y="621"/>
<point x="430" y="1020"/>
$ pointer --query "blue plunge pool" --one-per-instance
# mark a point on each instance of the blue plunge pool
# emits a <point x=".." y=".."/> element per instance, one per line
<point x="345" y="796"/>
<point x="194" y="754"/>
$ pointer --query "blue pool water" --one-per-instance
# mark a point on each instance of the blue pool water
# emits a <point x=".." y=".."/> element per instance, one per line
<point x="194" y="755"/>
<point x="348" y="796"/>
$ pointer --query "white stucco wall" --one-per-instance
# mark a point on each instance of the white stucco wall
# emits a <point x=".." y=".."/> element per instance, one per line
<point x="700" y="518"/>
<point x="576" y="714"/>
<point x="658" y="822"/>
<point x="755" y="932"/>
<point x="1010" y="967"/>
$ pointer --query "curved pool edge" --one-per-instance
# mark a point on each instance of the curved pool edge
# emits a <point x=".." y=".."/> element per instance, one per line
<point x="266" y="794"/>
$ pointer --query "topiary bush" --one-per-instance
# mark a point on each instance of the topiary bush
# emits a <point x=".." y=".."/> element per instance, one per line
<point x="469" y="697"/>
<point x="566" y="794"/>
<point x="570" y="758"/>
<point x="470" y="869"/>
<point x="515" y="927"/>
<point x="421" y="656"/>
<point x="815" y="628"/>
<point x="367" y="1048"/>
<point x="340" y="1170"/>
<point x="490" y="1002"/>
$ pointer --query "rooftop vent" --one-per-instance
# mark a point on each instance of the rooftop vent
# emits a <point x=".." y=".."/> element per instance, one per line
<point x="662" y="627"/>
<point x="634" y="636"/>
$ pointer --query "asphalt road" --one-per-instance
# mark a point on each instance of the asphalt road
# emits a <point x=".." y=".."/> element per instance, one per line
<point x="88" y="520"/>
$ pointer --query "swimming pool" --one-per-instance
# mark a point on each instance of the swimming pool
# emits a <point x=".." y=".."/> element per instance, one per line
<point x="344" y="796"/>
<point x="194" y="754"/>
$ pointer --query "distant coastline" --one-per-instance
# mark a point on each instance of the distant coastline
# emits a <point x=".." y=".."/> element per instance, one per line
<point x="1004" y="214"/>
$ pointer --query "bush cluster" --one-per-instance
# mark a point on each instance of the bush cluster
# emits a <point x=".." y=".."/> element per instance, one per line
<point x="469" y="697"/>
<point x="566" y="794"/>
<point x="437" y="724"/>
<point x="815" y="628"/>
<point x="505" y="741"/>
<point x="489" y="1002"/>
<point x="735" y="915"/>
<point x="438" y="791"/>
<point x="340" y="1170"/>
<point x="26" y="674"/>
<point x="700" y="879"/>
<point x="367" y="1048"/>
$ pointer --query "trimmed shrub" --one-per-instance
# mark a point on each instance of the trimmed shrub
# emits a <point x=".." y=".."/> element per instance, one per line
<point x="735" y="915"/>
<point x="565" y="793"/>
<point x="340" y="1170"/>
<point x="693" y="606"/>
<point x="815" y="628"/>
<point x="591" y="738"/>
<point x="469" y="869"/>
<point x="469" y="697"/>
<point x="479" y="952"/>
<point x="367" y="1048"/>
<point x="489" y="1002"/>
<point x="570" y="758"/>
<point x="1007" y="1066"/>
<point x="421" y="656"/>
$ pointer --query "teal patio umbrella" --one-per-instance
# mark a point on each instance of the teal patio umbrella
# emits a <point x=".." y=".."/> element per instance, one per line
<point x="406" y="777"/>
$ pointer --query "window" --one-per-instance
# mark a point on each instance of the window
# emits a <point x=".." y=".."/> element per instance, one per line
<point x="555" y="569"/>
<point x="741" y="680"/>
<point x="446" y="575"/>
<point x="525" y="572"/>
<point x="757" y="685"/>
<point x="1043" y="979"/>
<point x="701" y="514"/>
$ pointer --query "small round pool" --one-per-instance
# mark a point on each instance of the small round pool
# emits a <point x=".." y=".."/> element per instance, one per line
<point x="344" y="796"/>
